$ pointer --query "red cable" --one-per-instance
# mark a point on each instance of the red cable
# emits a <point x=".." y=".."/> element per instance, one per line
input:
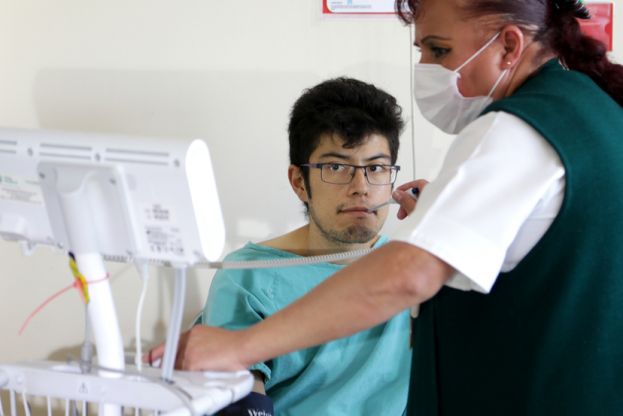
<point x="76" y="285"/>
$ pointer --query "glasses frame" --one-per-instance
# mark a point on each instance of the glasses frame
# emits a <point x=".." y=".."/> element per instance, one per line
<point x="393" y="168"/>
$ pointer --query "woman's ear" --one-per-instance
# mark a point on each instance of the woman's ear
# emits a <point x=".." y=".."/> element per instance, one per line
<point x="297" y="182"/>
<point x="513" y="40"/>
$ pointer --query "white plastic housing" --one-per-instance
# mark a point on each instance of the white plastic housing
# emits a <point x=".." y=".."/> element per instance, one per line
<point x="144" y="197"/>
<point x="203" y="392"/>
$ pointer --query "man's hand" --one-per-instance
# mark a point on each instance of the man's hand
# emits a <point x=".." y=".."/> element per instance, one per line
<point x="407" y="202"/>
<point x="206" y="348"/>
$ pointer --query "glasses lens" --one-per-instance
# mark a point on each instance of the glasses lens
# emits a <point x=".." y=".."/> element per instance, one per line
<point x="337" y="173"/>
<point x="341" y="174"/>
<point x="380" y="174"/>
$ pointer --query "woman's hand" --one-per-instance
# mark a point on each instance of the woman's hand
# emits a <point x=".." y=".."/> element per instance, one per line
<point x="205" y="348"/>
<point x="407" y="202"/>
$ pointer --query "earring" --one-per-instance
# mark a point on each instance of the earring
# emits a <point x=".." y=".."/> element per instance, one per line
<point x="508" y="63"/>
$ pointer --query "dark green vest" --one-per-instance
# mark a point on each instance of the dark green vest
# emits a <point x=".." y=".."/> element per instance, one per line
<point x="548" y="339"/>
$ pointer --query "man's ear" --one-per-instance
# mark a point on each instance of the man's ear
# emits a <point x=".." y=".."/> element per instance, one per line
<point x="513" y="40"/>
<point x="297" y="182"/>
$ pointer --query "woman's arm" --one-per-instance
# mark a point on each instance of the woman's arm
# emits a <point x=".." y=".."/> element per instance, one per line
<point x="362" y="295"/>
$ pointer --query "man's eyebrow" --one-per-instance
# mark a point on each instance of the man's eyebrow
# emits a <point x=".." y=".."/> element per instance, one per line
<point x="347" y="157"/>
<point x="379" y="156"/>
<point x="335" y="155"/>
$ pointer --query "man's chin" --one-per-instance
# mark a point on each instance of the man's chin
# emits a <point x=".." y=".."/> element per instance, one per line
<point x="360" y="232"/>
<point x="357" y="235"/>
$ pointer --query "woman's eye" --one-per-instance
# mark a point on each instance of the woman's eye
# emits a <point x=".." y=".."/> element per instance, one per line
<point x="439" y="52"/>
<point x="375" y="168"/>
<point x="336" y="167"/>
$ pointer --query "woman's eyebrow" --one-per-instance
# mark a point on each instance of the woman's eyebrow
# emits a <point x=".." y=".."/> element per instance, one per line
<point x="430" y="38"/>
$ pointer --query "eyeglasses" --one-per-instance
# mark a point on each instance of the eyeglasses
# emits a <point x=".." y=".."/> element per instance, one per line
<point x="343" y="173"/>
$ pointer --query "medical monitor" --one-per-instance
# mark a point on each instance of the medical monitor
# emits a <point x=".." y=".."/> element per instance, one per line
<point x="123" y="197"/>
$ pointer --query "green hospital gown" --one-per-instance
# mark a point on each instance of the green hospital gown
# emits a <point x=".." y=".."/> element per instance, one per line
<point x="364" y="374"/>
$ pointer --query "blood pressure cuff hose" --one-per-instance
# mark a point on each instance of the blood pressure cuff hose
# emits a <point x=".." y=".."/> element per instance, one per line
<point x="255" y="404"/>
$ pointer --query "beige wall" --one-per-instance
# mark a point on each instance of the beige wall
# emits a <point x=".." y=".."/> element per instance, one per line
<point x="227" y="71"/>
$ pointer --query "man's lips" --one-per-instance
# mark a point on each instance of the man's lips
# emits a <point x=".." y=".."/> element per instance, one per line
<point x="358" y="209"/>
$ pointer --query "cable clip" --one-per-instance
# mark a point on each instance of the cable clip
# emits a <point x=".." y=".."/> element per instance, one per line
<point x="80" y="281"/>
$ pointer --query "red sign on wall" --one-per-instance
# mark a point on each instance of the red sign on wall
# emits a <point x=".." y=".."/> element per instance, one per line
<point x="358" y="7"/>
<point x="600" y="25"/>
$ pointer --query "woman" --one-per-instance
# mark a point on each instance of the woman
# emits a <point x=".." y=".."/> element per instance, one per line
<point x="513" y="251"/>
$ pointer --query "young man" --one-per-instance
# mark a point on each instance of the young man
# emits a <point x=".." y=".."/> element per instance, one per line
<point x="343" y="146"/>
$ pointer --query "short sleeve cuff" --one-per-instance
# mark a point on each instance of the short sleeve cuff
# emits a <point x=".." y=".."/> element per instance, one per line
<point x="262" y="368"/>
<point x="472" y="256"/>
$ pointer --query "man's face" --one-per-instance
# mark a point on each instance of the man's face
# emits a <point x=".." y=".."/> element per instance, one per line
<point x="338" y="213"/>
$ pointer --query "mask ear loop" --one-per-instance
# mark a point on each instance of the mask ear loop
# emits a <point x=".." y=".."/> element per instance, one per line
<point x="478" y="52"/>
<point x="412" y="107"/>
<point x="500" y="78"/>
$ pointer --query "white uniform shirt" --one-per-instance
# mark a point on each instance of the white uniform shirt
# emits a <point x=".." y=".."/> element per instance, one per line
<point x="500" y="188"/>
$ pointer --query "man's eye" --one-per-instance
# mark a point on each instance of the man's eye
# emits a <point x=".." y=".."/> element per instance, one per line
<point x="375" y="168"/>
<point x="336" y="167"/>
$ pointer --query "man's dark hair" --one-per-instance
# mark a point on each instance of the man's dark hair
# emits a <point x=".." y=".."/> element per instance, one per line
<point x="346" y="108"/>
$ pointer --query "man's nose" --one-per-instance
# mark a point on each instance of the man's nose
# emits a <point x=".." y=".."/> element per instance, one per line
<point x="360" y="181"/>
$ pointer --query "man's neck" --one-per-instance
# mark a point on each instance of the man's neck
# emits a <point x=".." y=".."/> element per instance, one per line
<point x="305" y="242"/>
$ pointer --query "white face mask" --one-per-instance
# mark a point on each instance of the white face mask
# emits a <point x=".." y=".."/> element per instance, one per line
<point x="437" y="94"/>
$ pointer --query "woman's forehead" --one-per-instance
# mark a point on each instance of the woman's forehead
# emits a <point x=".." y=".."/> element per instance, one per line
<point x="447" y="20"/>
<point x="437" y="16"/>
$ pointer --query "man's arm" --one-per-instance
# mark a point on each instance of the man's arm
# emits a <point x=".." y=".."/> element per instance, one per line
<point x="362" y="295"/>
<point x="258" y="382"/>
